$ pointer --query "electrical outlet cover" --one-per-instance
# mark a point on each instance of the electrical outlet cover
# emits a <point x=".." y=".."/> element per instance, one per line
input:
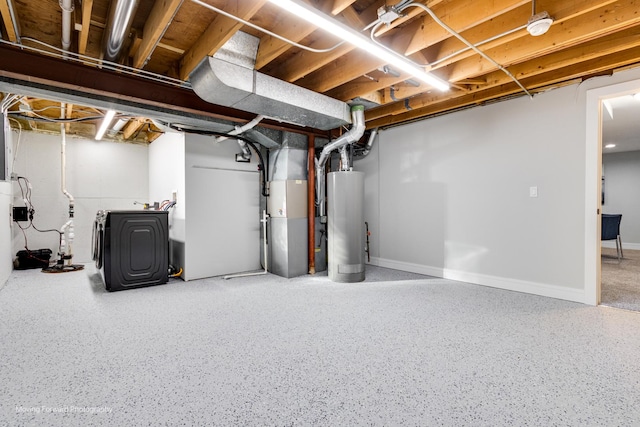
<point x="20" y="213"/>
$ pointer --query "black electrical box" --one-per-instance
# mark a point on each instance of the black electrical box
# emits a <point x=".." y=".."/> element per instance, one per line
<point x="20" y="213"/>
<point x="32" y="259"/>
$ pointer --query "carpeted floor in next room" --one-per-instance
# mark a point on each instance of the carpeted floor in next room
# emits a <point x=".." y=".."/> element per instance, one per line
<point x="285" y="352"/>
<point x="621" y="279"/>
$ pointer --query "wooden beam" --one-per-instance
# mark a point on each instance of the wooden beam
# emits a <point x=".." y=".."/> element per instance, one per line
<point x="574" y="28"/>
<point x="340" y="5"/>
<point x="556" y="78"/>
<point x="68" y="112"/>
<point x="217" y="33"/>
<point x="460" y="16"/>
<point x="305" y="62"/>
<point x="361" y="88"/>
<point x="445" y="48"/>
<point x="293" y="29"/>
<point x="561" y="12"/>
<point x="296" y="30"/>
<point x="87" y="6"/>
<point x="159" y="19"/>
<point x="132" y="127"/>
<point x="358" y="63"/>
<point x="624" y="42"/>
<point x="153" y="133"/>
<point x="11" y="23"/>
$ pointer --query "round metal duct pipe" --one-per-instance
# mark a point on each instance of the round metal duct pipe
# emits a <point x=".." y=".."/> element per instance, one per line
<point x="119" y="22"/>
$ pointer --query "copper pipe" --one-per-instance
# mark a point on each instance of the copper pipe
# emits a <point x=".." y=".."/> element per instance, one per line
<point x="311" y="203"/>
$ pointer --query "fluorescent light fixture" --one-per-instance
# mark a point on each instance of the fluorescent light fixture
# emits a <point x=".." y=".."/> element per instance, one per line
<point x="105" y="124"/>
<point x="338" y="29"/>
<point x="610" y="146"/>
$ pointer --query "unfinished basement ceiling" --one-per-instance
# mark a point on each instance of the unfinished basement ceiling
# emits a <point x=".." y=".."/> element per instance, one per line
<point x="171" y="37"/>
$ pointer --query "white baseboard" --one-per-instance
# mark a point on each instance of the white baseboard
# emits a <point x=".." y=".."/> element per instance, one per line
<point x="612" y="244"/>
<point x="542" y="289"/>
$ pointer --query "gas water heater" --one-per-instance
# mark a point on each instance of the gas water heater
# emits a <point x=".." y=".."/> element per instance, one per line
<point x="346" y="233"/>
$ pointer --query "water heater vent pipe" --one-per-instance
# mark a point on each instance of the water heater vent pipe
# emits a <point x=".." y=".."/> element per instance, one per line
<point x="353" y="135"/>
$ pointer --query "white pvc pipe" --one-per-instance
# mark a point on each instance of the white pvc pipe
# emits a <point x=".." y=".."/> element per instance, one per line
<point x="241" y="129"/>
<point x="63" y="155"/>
<point x="67" y="8"/>
<point x="264" y="239"/>
<point x="67" y="237"/>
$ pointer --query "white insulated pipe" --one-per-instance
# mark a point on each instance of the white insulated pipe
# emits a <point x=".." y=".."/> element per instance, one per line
<point x="242" y="129"/>
<point x="353" y="135"/>
<point x="63" y="156"/>
<point x="67" y="7"/>
<point x="239" y="130"/>
<point x="67" y="233"/>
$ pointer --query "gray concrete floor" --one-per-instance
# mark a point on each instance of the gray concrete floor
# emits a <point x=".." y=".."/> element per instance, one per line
<point x="306" y="351"/>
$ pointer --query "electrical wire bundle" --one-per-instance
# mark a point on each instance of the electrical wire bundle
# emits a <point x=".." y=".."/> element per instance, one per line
<point x="25" y="190"/>
<point x="166" y="205"/>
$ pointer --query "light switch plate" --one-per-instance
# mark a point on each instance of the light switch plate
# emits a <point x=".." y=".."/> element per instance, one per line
<point x="533" y="191"/>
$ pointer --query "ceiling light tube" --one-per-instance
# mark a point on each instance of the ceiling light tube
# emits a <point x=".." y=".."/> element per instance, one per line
<point x="330" y="25"/>
<point x="105" y="124"/>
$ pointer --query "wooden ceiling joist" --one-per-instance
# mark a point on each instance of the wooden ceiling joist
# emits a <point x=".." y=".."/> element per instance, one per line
<point x="577" y="28"/>
<point x="10" y="20"/>
<point x="83" y="38"/>
<point x="68" y="113"/>
<point x="218" y="33"/>
<point x="581" y="61"/>
<point x="459" y="16"/>
<point x="132" y="127"/>
<point x="161" y="15"/>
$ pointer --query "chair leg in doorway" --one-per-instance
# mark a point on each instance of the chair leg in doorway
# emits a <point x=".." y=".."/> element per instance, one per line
<point x="619" y="243"/>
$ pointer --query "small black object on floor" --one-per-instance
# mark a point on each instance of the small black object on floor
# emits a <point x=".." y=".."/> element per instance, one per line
<point x="57" y="268"/>
<point x="28" y="259"/>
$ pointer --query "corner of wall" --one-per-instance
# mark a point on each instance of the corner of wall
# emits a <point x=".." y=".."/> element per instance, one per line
<point x="5" y="232"/>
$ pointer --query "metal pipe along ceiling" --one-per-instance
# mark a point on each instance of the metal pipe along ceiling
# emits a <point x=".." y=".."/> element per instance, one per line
<point x="119" y="22"/>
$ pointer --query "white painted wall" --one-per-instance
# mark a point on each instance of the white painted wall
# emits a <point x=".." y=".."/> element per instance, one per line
<point x="166" y="175"/>
<point x="222" y="209"/>
<point x="371" y="165"/>
<point x="5" y="203"/>
<point x="100" y="175"/>
<point x="622" y="194"/>
<point x="453" y="193"/>
<point x="5" y="232"/>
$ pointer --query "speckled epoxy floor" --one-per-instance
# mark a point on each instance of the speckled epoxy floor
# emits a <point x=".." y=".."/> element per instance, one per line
<point x="305" y="351"/>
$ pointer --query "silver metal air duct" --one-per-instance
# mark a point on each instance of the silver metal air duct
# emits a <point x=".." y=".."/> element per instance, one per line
<point x="229" y="79"/>
<point x="353" y="135"/>
<point x="119" y="22"/>
<point x="372" y="137"/>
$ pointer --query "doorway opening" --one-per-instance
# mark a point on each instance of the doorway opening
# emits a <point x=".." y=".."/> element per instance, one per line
<point x="604" y="196"/>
